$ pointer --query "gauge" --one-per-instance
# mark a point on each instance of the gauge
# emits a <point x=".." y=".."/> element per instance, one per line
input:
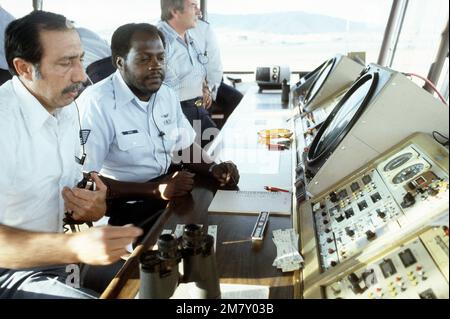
<point x="408" y="173"/>
<point x="397" y="162"/>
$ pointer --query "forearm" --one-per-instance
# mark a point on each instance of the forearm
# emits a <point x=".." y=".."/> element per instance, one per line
<point x="130" y="190"/>
<point x="24" y="249"/>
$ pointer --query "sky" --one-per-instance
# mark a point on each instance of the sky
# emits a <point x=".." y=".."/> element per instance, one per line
<point x="368" y="10"/>
<point x="423" y="24"/>
<point x="372" y="11"/>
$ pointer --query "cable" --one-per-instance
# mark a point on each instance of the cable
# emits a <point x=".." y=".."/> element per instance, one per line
<point x="201" y="58"/>
<point x="83" y="135"/>
<point x="430" y="84"/>
<point x="161" y="134"/>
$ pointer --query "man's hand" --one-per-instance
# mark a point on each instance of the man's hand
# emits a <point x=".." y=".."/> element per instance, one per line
<point x="226" y="173"/>
<point x="102" y="245"/>
<point x="85" y="204"/>
<point x="176" y="185"/>
<point x="207" y="98"/>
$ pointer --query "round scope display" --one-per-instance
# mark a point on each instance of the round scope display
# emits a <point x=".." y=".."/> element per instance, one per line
<point x="342" y="118"/>
<point x="321" y="78"/>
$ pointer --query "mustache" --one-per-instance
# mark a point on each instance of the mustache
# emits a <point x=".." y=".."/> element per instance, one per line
<point x="73" y="88"/>
<point x="153" y="73"/>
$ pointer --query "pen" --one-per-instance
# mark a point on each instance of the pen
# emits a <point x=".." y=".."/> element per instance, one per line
<point x="276" y="147"/>
<point x="275" y="189"/>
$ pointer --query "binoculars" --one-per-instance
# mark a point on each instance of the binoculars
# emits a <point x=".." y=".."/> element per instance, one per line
<point x="86" y="183"/>
<point x="159" y="271"/>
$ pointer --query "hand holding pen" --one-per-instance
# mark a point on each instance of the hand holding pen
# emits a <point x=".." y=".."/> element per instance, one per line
<point x="226" y="173"/>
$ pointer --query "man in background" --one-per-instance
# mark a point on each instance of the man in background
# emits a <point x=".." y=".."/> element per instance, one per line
<point x="187" y="64"/>
<point x="225" y="98"/>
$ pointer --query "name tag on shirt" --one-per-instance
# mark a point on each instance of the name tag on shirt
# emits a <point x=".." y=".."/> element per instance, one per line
<point x="130" y="132"/>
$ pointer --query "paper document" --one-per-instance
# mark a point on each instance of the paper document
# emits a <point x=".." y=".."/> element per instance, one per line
<point x="251" y="202"/>
<point x="288" y="258"/>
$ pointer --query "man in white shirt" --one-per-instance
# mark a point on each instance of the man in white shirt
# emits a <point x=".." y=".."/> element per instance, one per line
<point x="187" y="64"/>
<point x="137" y="126"/>
<point x="39" y="140"/>
<point x="225" y="98"/>
<point x="207" y="45"/>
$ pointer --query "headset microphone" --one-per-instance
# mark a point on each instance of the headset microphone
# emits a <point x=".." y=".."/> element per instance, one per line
<point x="161" y="134"/>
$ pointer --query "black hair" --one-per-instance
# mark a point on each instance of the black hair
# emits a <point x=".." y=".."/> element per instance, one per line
<point x="121" y="39"/>
<point x="22" y="38"/>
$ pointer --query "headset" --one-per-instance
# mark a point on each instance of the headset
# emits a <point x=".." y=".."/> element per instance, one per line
<point x="83" y="135"/>
<point x="160" y="134"/>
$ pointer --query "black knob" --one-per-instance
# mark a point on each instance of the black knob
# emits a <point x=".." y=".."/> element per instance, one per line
<point x="408" y="200"/>
<point x="354" y="281"/>
<point x="299" y="183"/>
<point x="381" y="214"/>
<point x="333" y="197"/>
<point x="370" y="235"/>
<point x="299" y="169"/>
<point x="350" y="232"/>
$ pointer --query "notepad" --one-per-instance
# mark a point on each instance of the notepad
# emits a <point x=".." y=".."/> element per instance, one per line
<point x="250" y="202"/>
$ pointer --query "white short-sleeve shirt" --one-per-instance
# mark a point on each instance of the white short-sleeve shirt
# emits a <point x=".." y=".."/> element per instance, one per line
<point x="131" y="140"/>
<point x="37" y="161"/>
<point x="186" y="63"/>
<point x="209" y="46"/>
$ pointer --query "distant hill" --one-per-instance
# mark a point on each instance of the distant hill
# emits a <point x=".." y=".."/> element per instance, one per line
<point x="285" y="23"/>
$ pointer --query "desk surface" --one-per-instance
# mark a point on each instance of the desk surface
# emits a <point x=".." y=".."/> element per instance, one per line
<point x="239" y="260"/>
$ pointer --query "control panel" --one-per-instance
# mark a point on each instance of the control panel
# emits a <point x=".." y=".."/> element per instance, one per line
<point x="409" y="272"/>
<point x="399" y="190"/>
<point x="350" y="217"/>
